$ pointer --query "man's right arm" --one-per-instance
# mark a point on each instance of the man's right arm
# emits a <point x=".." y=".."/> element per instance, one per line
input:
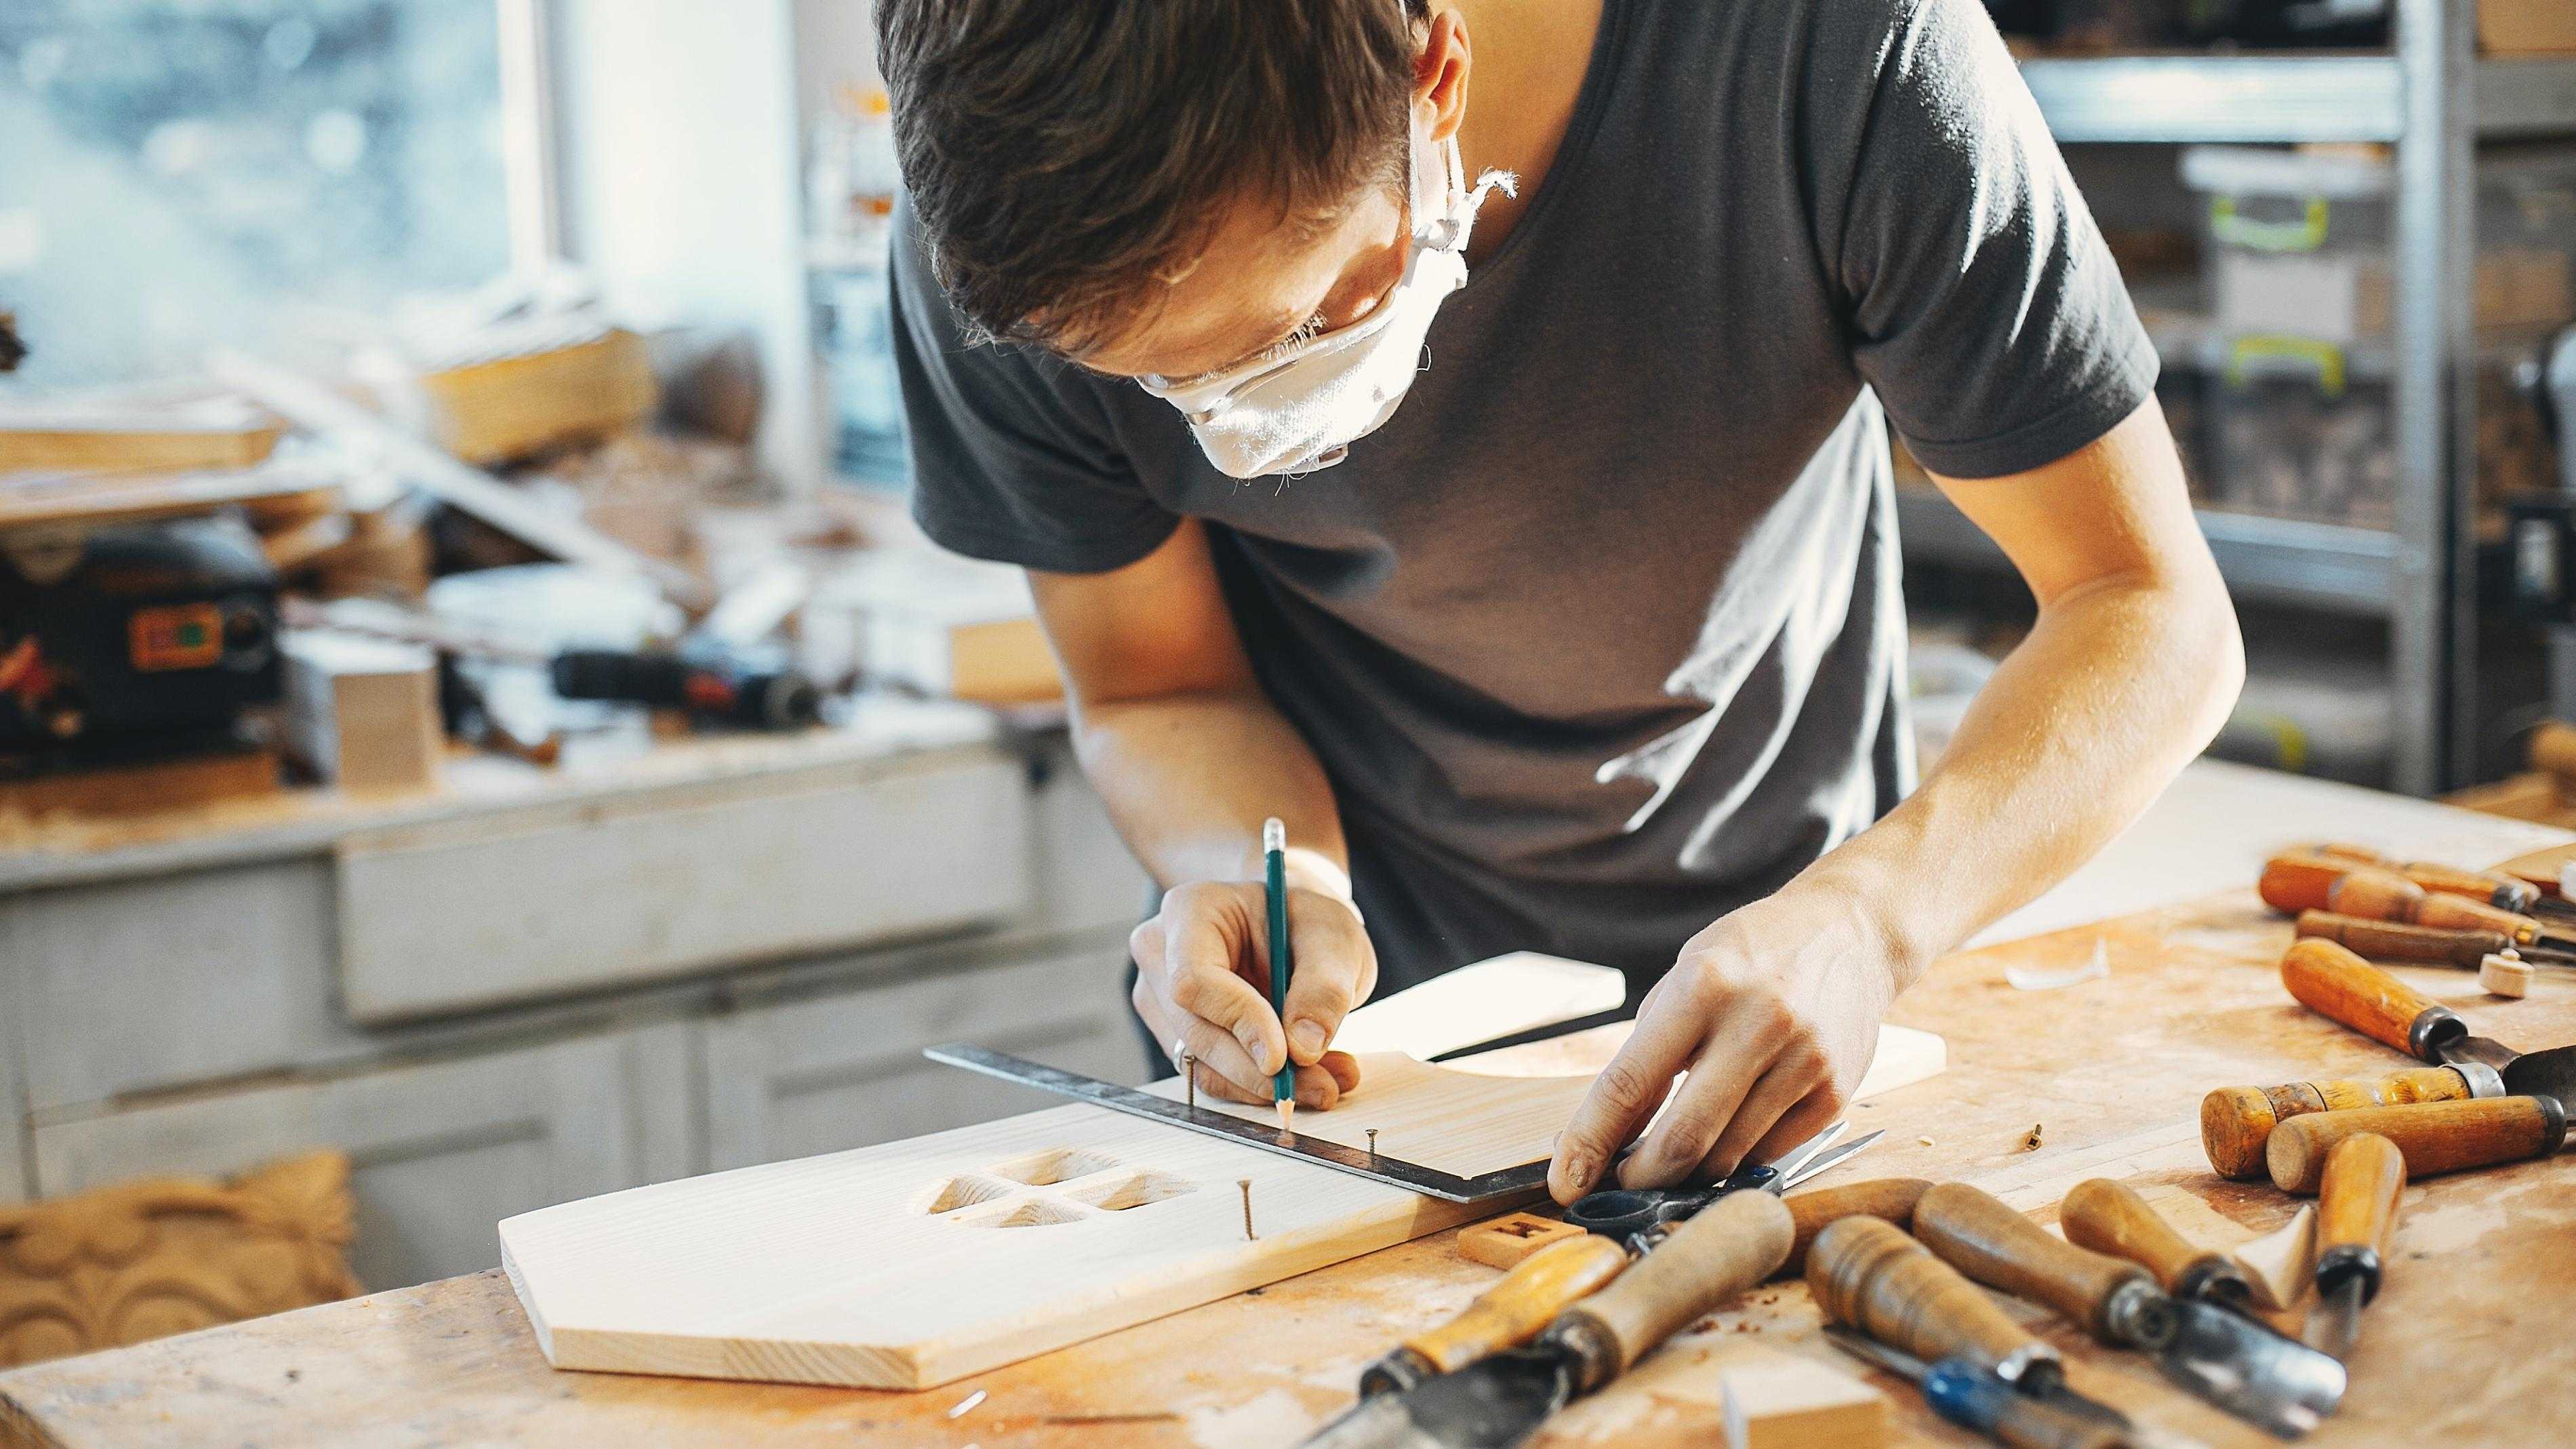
<point x="1190" y="756"/>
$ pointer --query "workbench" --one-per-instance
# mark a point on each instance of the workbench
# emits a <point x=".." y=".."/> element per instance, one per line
<point x="2463" y="1346"/>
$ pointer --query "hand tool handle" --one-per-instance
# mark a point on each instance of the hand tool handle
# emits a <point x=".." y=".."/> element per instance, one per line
<point x="2433" y="1136"/>
<point x="2377" y="894"/>
<point x="2357" y="1209"/>
<point x="2300" y="881"/>
<point x="1981" y="1236"/>
<point x="2391" y="941"/>
<point x="2553" y="750"/>
<point x="2236" y="1122"/>
<point x="1974" y="1398"/>
<point x="1732" y="1244"/>
<point x="2493" y="887"/>
<point x="2458" y="913"/>
<point x="1812" y="1211"/>
<point x="2331" y="981"/>
<point x="1528" y="1298"/>
<point x="2109" y="1217"/>
<point x="1867" y="1273"/>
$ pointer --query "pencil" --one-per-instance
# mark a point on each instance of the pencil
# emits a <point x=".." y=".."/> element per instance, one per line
<point x="1274" y="862"/>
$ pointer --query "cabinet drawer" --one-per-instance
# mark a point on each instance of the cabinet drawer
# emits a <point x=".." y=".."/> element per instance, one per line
<point x="564" y="898"/>
<point x="441" y="1151"/>
<point x="821" y="1075"/>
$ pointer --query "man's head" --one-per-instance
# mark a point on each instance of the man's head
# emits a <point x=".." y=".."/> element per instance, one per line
<point x="1166" y="186"/>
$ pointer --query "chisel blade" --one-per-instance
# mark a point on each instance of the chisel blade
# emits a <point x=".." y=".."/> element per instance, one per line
<point x="1494" y="1403"/>
<point x="2338" y="1317"/>
<point x="2279" y="1385"/>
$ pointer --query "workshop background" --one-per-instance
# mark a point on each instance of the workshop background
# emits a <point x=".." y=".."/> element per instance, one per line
<point x="477" y="729"/>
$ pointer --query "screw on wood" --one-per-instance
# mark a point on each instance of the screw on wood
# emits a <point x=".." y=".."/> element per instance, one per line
<point x="1372" y="1135"/>
<point x="1190" y="1078"/>
<point x="1246" y="1184"/>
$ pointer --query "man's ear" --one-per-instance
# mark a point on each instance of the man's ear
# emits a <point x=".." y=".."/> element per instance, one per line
<point x="1440" y="76"/>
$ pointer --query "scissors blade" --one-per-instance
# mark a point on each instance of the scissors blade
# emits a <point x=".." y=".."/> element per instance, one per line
<point x="1826" y="1161"/>
<point x="1796" y="1157"/>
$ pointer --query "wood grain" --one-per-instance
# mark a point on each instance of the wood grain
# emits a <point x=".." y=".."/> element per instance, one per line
<point x="1812" y="1211"/>
<point x="1721" y="1251"/>
<point x="1866" y="1272"/>
<point x="1507" y="1241"/>
<point x="1996" y="1245"/>
<point x="2357" y="1199"/>
<point x="2436" y="1137"/>
<point x="2111" y="1218"/>
<point x="2236" y="1122"/>
<point x="2396" y="941"/>
<point x="2343" y="987"/>
<point x="1434" y="1116"/>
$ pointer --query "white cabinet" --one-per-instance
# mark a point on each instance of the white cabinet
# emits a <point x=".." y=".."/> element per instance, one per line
<point x="441" y="1150"/>
<point x="572" y="897"/>
<point x="846" y="1070"/>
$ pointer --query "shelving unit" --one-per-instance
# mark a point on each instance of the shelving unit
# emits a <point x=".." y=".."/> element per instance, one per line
<point x="2434" y="99"/>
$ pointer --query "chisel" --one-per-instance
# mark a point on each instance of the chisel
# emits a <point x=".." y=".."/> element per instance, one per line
<point x="1868" y="1275"/>
<point x="1891" y="1199"/>
<point x="2356" y="1212"/>
<point x="2494" y="888"/>
<point x="2420" y="945"/>
<point x="2283" y="1387"/>
<point x="2340" y="986"/>
<point x="2236" y="1123"/>
<point x="2434" y="1137"/>
<point x="1499" y="1401"/>
<point x="2109" y="1217"/>
<point x="1507" y="1315"/>
<point x="2291" y="884"/>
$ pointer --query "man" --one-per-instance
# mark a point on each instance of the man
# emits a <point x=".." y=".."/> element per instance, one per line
<point x="1593" y="645"/>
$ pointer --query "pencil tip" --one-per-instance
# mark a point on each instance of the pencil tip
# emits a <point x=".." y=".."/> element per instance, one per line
<point x="1287" y="1112"/>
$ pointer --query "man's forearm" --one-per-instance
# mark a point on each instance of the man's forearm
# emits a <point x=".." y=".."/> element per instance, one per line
<point x="1188" y="779"/>
<point x="2117" y="688"/>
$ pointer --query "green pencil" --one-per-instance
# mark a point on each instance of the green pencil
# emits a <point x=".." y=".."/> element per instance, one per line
<point x="1274" y="861"/>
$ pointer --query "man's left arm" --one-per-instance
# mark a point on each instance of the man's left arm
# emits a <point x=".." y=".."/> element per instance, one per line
<point x="2132" y="667"/>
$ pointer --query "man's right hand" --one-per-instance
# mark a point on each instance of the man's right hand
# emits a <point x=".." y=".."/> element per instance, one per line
<point x="1203" y="987"/>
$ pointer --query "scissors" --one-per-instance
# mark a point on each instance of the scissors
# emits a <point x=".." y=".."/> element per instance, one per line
<point x="1641" y="1217"/>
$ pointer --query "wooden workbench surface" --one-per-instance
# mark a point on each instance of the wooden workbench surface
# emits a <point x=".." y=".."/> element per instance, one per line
<point x="2467" y="1343"/>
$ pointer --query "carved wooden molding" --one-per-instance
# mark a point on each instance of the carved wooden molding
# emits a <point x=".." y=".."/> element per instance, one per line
<point x="146" y="1259"/>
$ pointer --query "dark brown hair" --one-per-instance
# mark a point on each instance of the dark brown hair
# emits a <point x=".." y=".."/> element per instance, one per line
<point x="1062" y="154"/>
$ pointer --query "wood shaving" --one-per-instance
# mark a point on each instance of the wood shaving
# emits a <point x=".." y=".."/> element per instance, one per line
<point x="1923" y="1141"/>
<point x="967" y="1405"/>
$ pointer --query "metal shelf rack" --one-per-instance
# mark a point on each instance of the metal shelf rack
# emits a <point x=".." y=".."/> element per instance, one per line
<point x="2434" y="99"/>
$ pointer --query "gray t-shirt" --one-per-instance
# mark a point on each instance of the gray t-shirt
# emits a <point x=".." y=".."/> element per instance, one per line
<point x="1600" y="636"/>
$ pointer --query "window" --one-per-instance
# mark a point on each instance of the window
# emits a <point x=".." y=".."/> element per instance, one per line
<point x="176" y="174"/>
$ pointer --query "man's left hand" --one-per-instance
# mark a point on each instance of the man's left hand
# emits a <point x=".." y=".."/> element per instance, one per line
<point x="1774" y="1012"/>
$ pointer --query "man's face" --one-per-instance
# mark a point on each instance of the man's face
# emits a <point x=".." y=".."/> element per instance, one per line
<point x="1260" y="281"/>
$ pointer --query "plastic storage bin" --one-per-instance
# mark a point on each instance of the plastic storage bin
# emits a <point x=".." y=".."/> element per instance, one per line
<point x="2296" y="242"/>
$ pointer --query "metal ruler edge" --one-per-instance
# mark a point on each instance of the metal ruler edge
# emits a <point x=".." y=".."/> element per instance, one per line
<point x="1394" y="1172"/>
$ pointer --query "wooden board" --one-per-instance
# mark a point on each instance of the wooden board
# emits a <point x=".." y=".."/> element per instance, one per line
<point x="915" y="1263"/>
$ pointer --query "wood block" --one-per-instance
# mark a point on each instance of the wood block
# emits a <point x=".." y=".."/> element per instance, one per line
<point x="211" y="433"/>
<point x="180" y="784"/>
<point x="2505" y="976"/>
<point x="526" y="395"/>
<point x="2282" y="1263"/>
<point x="1508" y="1239"/>
<point x="947" y="626"/>
<point x="2526" y="27"/>
<point x="363" y="713"/>
<point x="1770" y="1399"/>
<point x="1484" y="1002"/>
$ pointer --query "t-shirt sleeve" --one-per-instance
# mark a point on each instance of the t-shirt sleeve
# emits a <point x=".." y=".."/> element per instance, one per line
<point x="1987" y="311"/>
<point x="1012" y="455"/>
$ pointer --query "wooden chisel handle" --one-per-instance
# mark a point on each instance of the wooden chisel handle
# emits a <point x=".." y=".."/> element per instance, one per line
<point x="2393" y="941"/>
<point x="2109" y="1217"/>
<point x="2236" y="1122"/>
<point x="2357" y="1209"/>
<point x="1512" y="1312"/>
<point x="2434" y="1137"/>
<point x="1725" y="1248"/>
<point x="2477" y="885"/>
<point x="1812" y="1211"/>
<point x="2459" y="913"/>
<point x="2302" y="882"/>
<point x="1867" y="1273"/>
<point x="2331" y="981"/>
<point x="1985" y="1238"/>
